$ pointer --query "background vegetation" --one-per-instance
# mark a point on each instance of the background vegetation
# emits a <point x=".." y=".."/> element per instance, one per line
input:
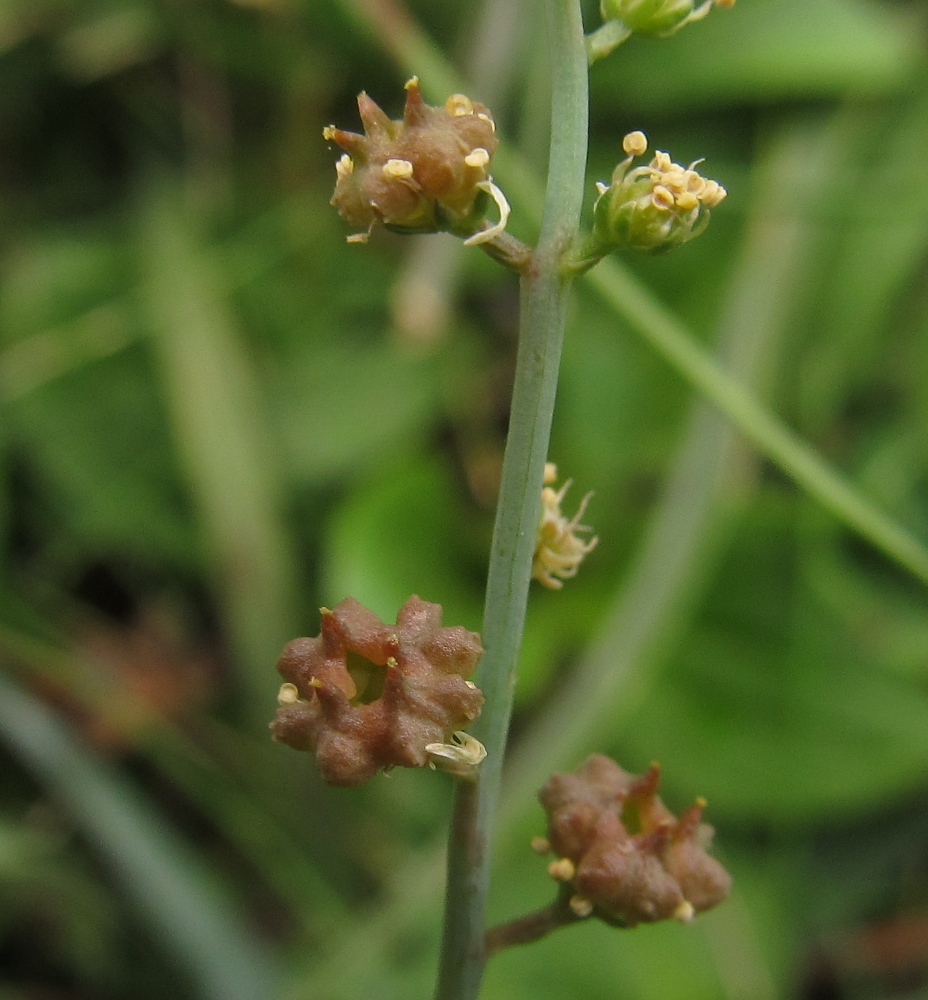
<point x="217" y="416"/>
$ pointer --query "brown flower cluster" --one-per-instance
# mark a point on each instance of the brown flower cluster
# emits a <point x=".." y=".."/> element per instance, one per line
<point x="365" y="695"/>
<point x="627" y="858"/>
<point x="425" y="173"/>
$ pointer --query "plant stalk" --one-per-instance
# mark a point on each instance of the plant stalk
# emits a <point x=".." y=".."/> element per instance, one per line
<point x="544" y="293"/>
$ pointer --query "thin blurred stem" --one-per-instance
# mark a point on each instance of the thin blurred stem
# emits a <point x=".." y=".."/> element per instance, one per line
<point x="532" y="926"/>
<point x="544" y="296"/>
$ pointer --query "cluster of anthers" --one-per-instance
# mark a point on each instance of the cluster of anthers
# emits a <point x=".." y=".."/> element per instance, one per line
<point x="558" y="548"/>
<point x="672" y="186"/>
<point x="652" y="207"/>
<point x="425" y="173"/>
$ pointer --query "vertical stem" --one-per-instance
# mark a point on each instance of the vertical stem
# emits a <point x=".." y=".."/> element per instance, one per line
<point x="544" y="296"/>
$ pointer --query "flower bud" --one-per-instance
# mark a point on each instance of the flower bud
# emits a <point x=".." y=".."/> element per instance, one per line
<point x="425" y="173"/>
<point x="628" y="858"/>
<point x="364" y="696"/>
<point x="653" y="208"/>
<point x="657" y="17"/>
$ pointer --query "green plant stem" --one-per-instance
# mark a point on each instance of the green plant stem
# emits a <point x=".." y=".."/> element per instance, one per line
<point x="544" y="295"/>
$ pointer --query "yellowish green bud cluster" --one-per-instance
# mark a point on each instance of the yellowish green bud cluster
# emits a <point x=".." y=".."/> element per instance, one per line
<point x="426" y="173"/>
<point x="653" y="208"/>
<point x="657" y="17"/>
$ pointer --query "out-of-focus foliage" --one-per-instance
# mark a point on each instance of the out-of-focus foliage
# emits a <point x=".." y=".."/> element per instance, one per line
<point x="218" y="416"/>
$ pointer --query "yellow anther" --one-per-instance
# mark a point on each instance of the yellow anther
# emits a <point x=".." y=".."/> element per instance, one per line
<point x="540" y="845"/>
<point x="635" y="143"/>
<point x="687" y="200"/>
<point x="684" y="913"/>
<point x="478" y="157"/>
<point x="413" y="81"/>
<point x="458" y="105"/>
<point x="562" y="870"/>
<point x="712" y="194"/>
<point x="580" y="906"/>
<point x="661" y="161"/>
<point x="662" y="198"/>
<point x="345" y="166"/>
<point x="461" y="757"/>
<point x="397" y="168"/>
<point x="328" y="133"/>
<point x="288" y="694"/>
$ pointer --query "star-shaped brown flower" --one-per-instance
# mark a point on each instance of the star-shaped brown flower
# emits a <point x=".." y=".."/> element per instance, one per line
<point x="366" y="696"/>
<point x="628" y="858"/>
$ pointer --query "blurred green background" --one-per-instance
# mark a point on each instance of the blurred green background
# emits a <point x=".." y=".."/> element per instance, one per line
<point x="218" y="416"/>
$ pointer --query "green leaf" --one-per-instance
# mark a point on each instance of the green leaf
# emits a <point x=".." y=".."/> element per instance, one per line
<point x="764" y="51"/>
<point x="170" y="888"/>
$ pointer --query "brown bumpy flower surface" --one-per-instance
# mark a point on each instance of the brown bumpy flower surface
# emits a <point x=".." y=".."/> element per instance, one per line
<point x="629" y="859"/>
<point x="424" y="173"/>
<point x="365" y="695"/>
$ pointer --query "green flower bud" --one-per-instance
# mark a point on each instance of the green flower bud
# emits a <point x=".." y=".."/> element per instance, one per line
<point x="657" y="17"/>
<point x="426" y="173"/>
<point x="652" y="208"/>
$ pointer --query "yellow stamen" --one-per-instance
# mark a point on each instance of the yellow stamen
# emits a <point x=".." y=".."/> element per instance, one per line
<point x="635" y="143"/>
<point x="397" y="168"/>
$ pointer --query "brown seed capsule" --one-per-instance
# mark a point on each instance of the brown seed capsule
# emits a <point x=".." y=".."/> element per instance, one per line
<point x="365" y="695"/>
<point x="634" y="861"/>
<point x="425" y="173"/>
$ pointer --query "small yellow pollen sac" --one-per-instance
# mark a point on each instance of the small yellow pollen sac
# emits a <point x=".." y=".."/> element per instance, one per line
<point x="684" y="913"/>
<point x="580" y="906"/>
<point x="662" y="198"/>
<point x="687" y="200"/>
<point x="562" y="870"/>
<point x="413" y="81"/>
<point x="328" y="133"/>
<point x="288" y="694"/>
<point x="540" y="845"/>
<point x="550" y="476"/>
<point x="662" y="161"/>
<point x="397" y="168"/>
<point x="345" y="166"/>
<point x="635" y="143"/>
<point x="694" y="181"/>
<point x="713" y="193"/>
<point x="458" y="105"/>
<point x="478" y="157"/>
